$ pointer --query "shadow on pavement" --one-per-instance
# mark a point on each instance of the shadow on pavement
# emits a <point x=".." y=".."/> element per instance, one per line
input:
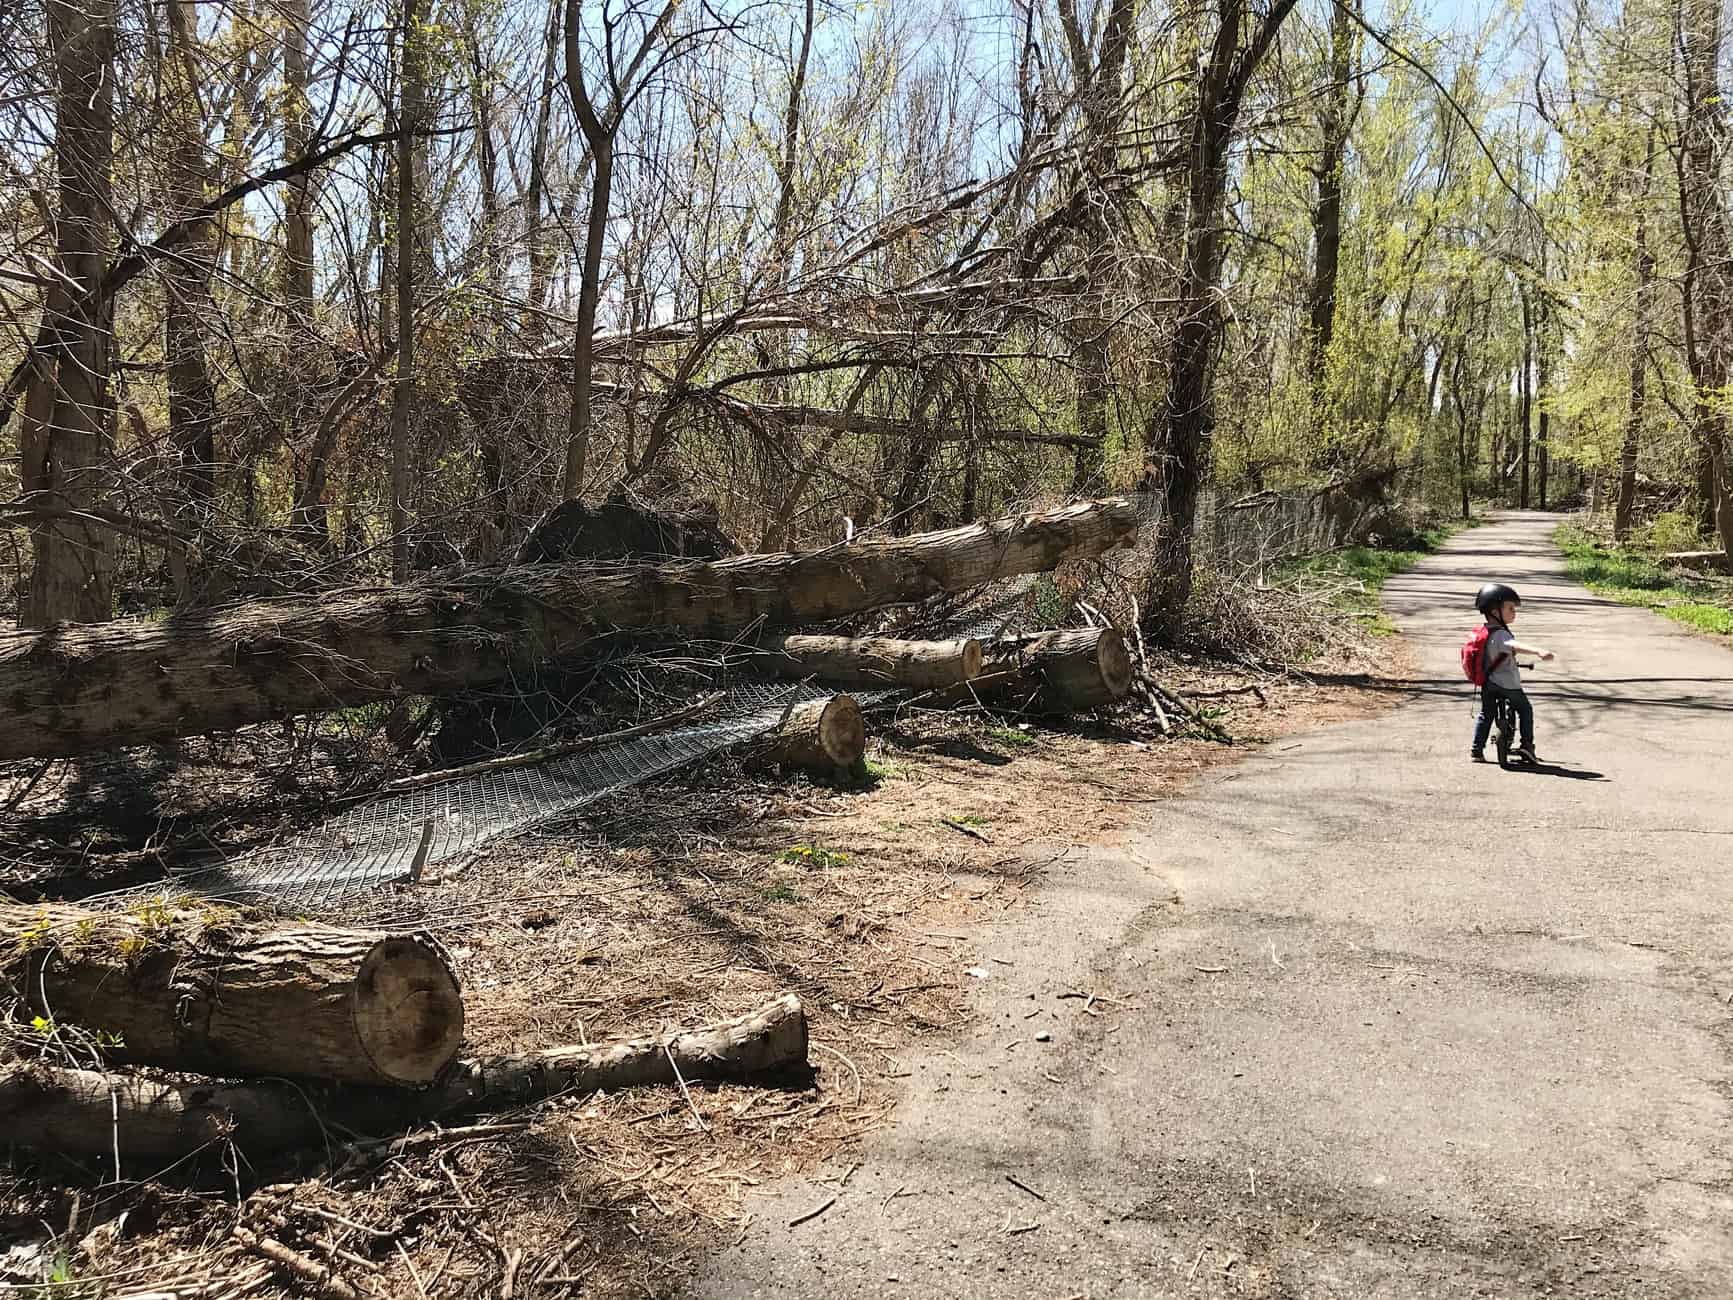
<point x="1553" y="769"/>
<point x="1557" y="689"/>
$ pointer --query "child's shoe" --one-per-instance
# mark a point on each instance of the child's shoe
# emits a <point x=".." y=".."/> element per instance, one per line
<point x="1477" y="755"/>
<point x="1525" y="753"/>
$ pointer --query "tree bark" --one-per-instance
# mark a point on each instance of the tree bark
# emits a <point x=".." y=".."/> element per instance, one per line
<point x="599" y="127"/>
<point x="1053" y="672"/>
<point x="823" y="736"/>
<point x="1645" y="272"/>
<point x="298" y="194"/>
<point x="1525" y="396"/>
<point x="1702" y="147"/>
<point x="871" y="661"/>
<point x="1334" y="123"/>
<point x="1543" y="380"/>
<point x="209" y="991"/>
<point x="1099" y="76"/>
<point x="84" y="1112"/>
<point x="68" y="407"/>
<point x="1178" y="449"/>
<point x="192" y="395"/>
<point x="76" y="689"/>
<point x="403" y="390"/>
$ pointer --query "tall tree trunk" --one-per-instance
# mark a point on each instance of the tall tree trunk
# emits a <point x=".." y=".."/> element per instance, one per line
<point x="1645" y="273"/>
<point x="298" y="194"/>
<point x="536" y="248"/>
<point x="1099" y="76"/>
<point x="1177" y="450"/>
<point x="493" y="420"/>
<point x="1525" y="396"/>
<point x="1334" y="123"/>
<point x="1703" y="140"/>
<point x="309" y="515"/>
<point x="600" y="126"/>
<point x="403" y="390"/>
<point x="1543" y="380"/>
<point x="67" y="432"/>
<point x="578" y="426"/>
<point x="1707" y="493"/>
<point x="192" y="398"/>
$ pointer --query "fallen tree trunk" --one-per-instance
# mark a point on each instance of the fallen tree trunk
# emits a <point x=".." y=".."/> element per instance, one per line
<point x="824" y="736"/>
<point x="74" y="688"/>
<point x="1715" y="560"/>
<point x="84" y="1112"/>
<point x="872" y="660"/>
<point x="209" y="991"/>
<point x="1056" y="672"/>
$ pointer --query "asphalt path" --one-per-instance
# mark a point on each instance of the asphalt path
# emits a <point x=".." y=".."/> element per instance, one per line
<point x="1369" y="1020"/>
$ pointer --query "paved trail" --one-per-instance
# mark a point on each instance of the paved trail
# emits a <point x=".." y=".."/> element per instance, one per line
<point x="1386" y="1024"/>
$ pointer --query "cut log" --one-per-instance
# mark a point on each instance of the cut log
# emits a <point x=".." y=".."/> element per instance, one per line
<point x="210" y="991"/>
<point x="75" y="688"/>
<point x="871" y="661"/>
<point x="824" y="736"/>
<point x="764" y="1042"/>
<point x="1054" y="672"/>
<point x="84" y="1112"/>
<point x="1714" y="560"/>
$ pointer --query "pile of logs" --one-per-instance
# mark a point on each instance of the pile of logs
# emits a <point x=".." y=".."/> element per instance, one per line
<point x="1050" y="672"/>
<point x="368" y="1025"/>
<point x="303" y="1031"/>
<point x="78" y="688"/>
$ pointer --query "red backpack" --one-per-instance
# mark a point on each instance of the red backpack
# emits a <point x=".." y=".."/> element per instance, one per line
<point x="1474" y="655"/>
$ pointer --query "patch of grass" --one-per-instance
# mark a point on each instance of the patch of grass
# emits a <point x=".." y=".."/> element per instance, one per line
<point x="968" y="819"/>
<point x="1360" y="572"/>
<point x="779" y="893"/>
<point x="1012" y="737"/>
<point x="1632" y="578"/>
<point x="885" y="769"/>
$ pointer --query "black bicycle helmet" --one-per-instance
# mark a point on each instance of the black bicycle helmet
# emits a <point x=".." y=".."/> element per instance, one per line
<point x="1494" y="594"/>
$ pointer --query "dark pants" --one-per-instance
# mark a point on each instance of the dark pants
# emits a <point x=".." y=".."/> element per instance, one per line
<point x="1524" y="715"/>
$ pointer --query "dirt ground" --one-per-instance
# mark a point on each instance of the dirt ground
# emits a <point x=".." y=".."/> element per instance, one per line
<point x="673" y="905"/>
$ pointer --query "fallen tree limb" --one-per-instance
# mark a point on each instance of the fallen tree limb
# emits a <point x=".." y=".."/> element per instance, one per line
<point x="324" y="1279"/>
<point x="871" y="661"/>
<point x="89" y="1113"/>
<point x="1057" y="672"/>
<point x="210" y="991"/>
<point x="74" y="688"/>
<point x="1717" y="560"/>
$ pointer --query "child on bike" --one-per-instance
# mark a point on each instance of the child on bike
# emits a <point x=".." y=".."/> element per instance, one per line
<point x="1498" y="604"/>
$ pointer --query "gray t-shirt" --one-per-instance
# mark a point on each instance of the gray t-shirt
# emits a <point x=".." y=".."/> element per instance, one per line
<point x="1502" y="673"/>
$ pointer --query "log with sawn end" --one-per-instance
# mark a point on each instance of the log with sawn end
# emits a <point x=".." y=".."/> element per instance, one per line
<point x="212" y="991"/>
<point x="87" y="1112"/>
<point x="1052" y="672"/>
<point x="871" y="660"/>
<point x="826" y="736"/>
<point x="74" y="688"/>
